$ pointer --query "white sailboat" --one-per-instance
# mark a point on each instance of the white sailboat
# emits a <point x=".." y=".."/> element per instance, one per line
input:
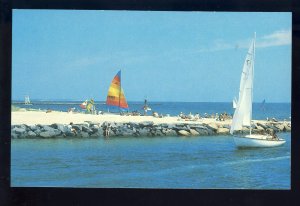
<point x="27" y="100"/>
<point x="234" y="103"/>
<point x="243" y="112"/>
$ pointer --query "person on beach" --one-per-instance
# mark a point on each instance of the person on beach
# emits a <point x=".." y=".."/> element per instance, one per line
<point x="217" y="117"/>
<point x="90" y="108"/>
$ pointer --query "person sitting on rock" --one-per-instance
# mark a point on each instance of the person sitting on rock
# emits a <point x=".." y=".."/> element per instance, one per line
<point x="274" y="136"/>
<point x="107" y="130"/>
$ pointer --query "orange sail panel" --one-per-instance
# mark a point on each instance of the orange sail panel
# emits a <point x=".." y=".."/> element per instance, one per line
<point x="116" y="95"/>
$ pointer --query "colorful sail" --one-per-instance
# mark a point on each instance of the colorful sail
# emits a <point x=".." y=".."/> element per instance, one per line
<point x="116" y="95"/>
<point x="83" y="104"/>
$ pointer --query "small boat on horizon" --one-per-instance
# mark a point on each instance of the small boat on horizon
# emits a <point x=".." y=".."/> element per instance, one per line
<point x="27" y="100"/>
<point x="243" y="112"/>
<point x="116" y="96"/>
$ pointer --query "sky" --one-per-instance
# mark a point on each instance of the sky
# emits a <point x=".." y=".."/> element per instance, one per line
<point x="163" y="56"/>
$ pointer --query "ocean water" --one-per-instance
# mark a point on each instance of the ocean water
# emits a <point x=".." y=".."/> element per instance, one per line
<point x="207" y="162"/>
<point x="149" y="162"/>
<point x="279" y="111"/>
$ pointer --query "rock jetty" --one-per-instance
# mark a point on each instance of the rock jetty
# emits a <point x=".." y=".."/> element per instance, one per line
<point x="148" y="128"/>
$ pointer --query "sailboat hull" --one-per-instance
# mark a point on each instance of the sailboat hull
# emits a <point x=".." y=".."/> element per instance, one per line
<point x="257" y="141"/>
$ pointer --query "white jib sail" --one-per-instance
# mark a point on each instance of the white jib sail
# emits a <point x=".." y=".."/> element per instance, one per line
<point x="234" y="103"/>
<point x="243" y="112"/>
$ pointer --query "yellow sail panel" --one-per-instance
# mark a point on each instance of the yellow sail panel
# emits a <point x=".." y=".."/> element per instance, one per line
<point x="116" y="95"/>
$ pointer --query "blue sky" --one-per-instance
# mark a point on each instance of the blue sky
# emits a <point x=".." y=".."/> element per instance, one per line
<point x="164" y="56"/>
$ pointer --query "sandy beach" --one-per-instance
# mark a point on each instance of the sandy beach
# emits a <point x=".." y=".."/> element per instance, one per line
<point x="41" y="117"/>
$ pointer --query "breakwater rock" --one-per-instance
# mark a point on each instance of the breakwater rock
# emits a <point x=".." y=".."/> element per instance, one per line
<point x="112" y="129"/>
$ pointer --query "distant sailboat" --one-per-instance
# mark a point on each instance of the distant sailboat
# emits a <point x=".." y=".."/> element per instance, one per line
<point x="115" y="96"/>
<point x="262" y="107"/>
<point x="146" y="108"/>
<point x="234" y="103"/>
<point x="27" y="100"/>
<point x="243" y="112"/>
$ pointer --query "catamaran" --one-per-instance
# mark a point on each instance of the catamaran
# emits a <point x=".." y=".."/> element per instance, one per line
<point x="115" y="96"/>
<point x="243" y="112"/>
<point x="27" y="100"/>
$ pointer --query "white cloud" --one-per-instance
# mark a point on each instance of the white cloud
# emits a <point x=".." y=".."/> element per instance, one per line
<point x="277" y="38"/>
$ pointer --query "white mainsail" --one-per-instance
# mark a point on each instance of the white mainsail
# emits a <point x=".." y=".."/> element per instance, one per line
<point x="243" y="112"/>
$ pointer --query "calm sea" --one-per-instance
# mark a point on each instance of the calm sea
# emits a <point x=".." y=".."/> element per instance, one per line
<point x="154" y="162"/>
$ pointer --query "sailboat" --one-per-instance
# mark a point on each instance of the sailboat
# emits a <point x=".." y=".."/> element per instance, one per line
<point x="146" y="108"/>
<point x="243" y="112"/>
<point x="27" y="100"/>
<point x="84" y="104"/>
<point x="115" y="96"/>
<point x="234" y="103"/>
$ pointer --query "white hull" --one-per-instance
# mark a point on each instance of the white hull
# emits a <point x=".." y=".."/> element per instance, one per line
<point x="257" y="141"/>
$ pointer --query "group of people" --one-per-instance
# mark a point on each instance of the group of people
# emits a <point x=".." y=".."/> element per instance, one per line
<point x="190" y="116"/>
<point x="223" y="116"/>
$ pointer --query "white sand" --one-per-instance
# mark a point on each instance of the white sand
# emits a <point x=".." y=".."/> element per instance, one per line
<point x="41" y="117"/>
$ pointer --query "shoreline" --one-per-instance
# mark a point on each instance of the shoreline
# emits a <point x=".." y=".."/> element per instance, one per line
<point x="39" y="124"/>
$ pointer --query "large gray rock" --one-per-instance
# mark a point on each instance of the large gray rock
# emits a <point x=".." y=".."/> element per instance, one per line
<point x="287" y="127"/>
<point x="24" y="126"/>
<point x="144" y="131"/>
<point x="97" y="134"/>
<point x="262" y="125"/>
<point x="14" y="135"/>
<point x="198" y="127"/>
<point x="86" y="129"/>
<point x="184" y="133"/>
<point x="158" y="133"/>
<point x="194" y="132"/>
<point x="33" y="127"/>
<point x="18" y="130"/>
<point x="202" y="132"/>
<point x="50" y="133"/>
<point x="164" y="125"/>
<point x="171" y="126"/>
<point x="280" y="127"/>
<point x="31" y="134"/>
<point x="273" y="127"/>
<point x="47" y="134"/>
<point x="69" y="133"/>
<point x="84" y="134"/>
<point x="213" y="126"/>
<point x="223" y="131"/>
<point x="47" y="128"/>
<point x="170" y="132"/>
<point x="37" y="131"/>
<point x="259" y="128"/>
<point x="77" y="127"/>
<point x="62" y="128"/>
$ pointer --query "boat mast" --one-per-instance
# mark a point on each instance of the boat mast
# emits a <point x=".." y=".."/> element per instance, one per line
<point x="252" y="79"/>
<point x="120" y="94"/>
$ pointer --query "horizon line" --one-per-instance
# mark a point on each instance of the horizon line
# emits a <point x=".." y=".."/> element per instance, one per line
<point x="155" y="101"/>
